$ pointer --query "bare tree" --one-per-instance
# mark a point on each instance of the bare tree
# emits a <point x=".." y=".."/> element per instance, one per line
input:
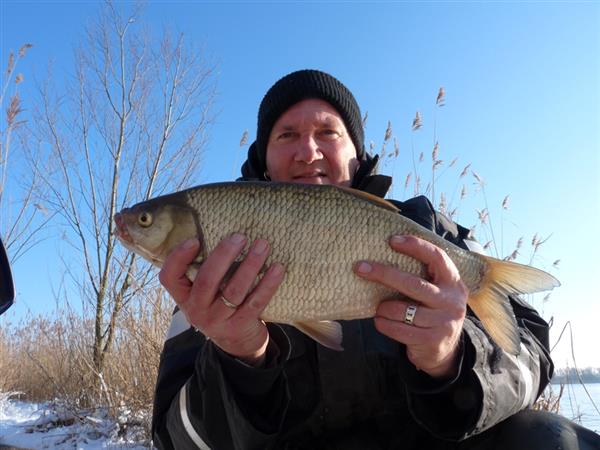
<point x="129" y="125"/>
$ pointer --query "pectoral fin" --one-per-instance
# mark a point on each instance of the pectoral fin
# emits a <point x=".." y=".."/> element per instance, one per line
<point x="192" y="271"/>
<point x="325" y="332"/>
<point x="193" y="268"/>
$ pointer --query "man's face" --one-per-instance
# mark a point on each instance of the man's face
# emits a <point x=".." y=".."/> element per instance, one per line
<point x="309" y="144"/>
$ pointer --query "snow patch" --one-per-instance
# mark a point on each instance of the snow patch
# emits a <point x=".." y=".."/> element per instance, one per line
<point x="53" y="425"/>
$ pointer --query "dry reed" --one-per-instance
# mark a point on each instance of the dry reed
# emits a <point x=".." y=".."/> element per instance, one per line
<point x="49" y="357"/>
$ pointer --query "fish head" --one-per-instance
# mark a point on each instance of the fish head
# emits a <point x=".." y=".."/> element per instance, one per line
<point x="153" y="229"/>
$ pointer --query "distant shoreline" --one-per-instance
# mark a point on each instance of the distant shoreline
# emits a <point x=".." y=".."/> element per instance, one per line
<point x="570" y="375"/>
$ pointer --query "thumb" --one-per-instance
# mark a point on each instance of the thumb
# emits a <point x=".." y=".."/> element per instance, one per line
<point x="172" y="274"/>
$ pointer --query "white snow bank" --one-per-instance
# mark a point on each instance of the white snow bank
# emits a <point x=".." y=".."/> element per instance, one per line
<point x="52" y="425"/>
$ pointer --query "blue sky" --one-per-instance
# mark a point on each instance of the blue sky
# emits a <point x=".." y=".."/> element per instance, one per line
<point x="522" y="85"/>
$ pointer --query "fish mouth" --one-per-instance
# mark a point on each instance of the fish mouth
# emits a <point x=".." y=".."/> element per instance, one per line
<point x="128" y="242"/>
<point x="121" y="229"/>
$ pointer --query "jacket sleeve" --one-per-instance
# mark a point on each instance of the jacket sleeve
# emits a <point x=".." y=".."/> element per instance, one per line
<point x="206" y="399"/>
<point x="491" y="384"/>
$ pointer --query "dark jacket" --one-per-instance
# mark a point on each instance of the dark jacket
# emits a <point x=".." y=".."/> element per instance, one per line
<point x="368" y="396"/>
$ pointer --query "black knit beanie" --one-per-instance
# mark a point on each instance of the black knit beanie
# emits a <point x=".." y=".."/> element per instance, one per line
<point x="303" y="85"/>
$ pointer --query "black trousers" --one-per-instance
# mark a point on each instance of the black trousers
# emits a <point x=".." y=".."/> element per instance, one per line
<point x="532" y="430"/>
<point x="526" y="430"/>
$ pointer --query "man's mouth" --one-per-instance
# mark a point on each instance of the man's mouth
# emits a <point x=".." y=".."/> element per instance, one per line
<point x="313" y="176"/>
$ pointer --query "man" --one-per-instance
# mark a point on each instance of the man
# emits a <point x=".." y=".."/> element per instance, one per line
<point x="408" y="379"/>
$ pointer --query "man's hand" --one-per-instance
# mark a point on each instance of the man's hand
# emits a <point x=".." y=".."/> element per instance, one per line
<point x="432" y="340"/>
<point x="228" y="314"/>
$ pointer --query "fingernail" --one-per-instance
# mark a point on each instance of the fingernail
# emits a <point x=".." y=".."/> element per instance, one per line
<point x="364" y="267"/>
<point x="236" y="238"/>
<point x="277" y="269"/>
<point x="190" y="243"/>
<point x="259" y="247"/>
<point x="397" y="239"/>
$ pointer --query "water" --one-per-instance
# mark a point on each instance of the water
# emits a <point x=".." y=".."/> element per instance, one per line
<point x="575" y="404"/>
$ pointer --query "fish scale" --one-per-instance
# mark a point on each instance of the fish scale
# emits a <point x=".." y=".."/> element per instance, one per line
<point x="317" y="233"/>
<point x="342" y="232"/>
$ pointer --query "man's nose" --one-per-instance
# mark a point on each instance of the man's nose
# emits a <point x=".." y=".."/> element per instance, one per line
<point x="308" y="149"/>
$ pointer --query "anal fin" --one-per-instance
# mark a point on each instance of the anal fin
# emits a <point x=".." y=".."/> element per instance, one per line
<point x="326" y="332"/>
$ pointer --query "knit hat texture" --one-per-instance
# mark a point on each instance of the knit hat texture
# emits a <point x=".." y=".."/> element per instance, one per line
<point x="303" y="85"/>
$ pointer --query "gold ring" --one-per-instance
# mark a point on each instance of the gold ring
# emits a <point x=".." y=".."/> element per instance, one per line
<point x="227" y="302"/>
<point x="409" y="317"/>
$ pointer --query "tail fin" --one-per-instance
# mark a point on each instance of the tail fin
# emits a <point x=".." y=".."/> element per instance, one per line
<point x="490" y="305"/>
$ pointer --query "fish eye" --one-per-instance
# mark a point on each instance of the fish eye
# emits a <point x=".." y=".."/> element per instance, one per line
<point x="145" y="219"/>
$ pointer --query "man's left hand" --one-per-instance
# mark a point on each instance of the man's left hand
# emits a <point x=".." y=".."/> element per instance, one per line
<point x="432" y="340"/>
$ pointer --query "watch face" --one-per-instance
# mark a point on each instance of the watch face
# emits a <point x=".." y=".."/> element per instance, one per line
<point x="7" y="290"/>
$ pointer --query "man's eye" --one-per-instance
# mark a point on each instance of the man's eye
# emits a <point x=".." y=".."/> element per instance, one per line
<point x="286" y="135"/>
<point x="330" y="133"/>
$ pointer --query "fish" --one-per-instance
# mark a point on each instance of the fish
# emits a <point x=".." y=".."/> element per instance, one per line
<point x="318" y="232"/>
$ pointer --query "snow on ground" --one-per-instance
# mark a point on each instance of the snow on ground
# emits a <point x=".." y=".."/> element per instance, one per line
<point x="50" y="425"/>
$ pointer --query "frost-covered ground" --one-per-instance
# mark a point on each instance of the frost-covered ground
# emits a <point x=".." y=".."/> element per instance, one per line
<point x="38" y="426"/>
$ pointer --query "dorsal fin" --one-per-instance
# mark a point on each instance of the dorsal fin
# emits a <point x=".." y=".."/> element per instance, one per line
<point x="371" y="198"/>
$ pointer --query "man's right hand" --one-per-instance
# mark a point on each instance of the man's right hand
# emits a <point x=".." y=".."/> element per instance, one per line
<point x="238" y="331"/>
